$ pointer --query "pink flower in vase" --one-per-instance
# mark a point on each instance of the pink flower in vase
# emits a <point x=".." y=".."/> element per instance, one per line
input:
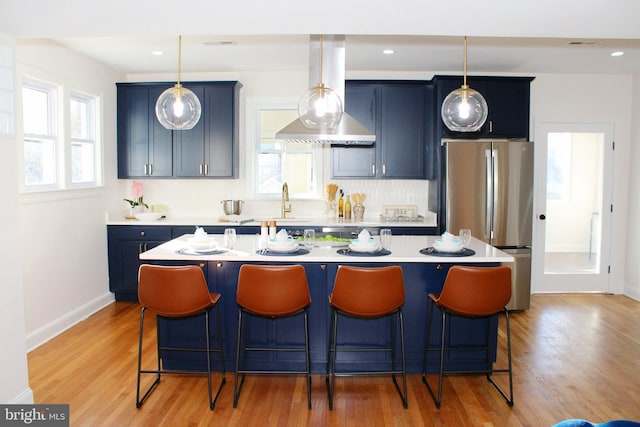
<point x="137" y="191"/>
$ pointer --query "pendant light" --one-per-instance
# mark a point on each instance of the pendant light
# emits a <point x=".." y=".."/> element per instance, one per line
<point x="178" y="108"/>
<point x="320" y="107"/>
<point x="464" y="109"/>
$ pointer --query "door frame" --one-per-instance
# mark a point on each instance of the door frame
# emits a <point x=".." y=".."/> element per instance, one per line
<point x="559" y="283"/>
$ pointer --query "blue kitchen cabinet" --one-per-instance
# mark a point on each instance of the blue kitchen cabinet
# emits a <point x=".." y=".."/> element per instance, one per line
<point x="144" y="145"/>
<point x="147" y="150"/>
<point x="507" y="99"/>
<point x="420" y="279"/>
<point x="125" y="244"/>
<point x="397" y="112"/>
<point x="210" y="149"/>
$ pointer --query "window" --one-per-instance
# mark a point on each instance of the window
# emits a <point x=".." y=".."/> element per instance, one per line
<point x="40" y="134"/>
<point x="83" y="139"/>
<point x="278" y="161"/>
<point x="56" y="158"/>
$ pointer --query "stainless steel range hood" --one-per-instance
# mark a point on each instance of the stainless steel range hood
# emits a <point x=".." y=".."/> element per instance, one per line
<point x="348" y="131"/>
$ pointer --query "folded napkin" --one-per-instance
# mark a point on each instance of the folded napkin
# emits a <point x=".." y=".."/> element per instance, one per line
<point x="450" y="238"/>
<point x="282" y="236"/>
<point x="364" y="236"/>
<point x="200" y="234"/>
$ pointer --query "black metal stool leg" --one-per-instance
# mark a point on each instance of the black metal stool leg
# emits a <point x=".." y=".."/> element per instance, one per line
<point x="140" y="401"/>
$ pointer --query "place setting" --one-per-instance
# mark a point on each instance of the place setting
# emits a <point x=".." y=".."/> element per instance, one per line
<point x="201" y="244"/>
<point x="368" y="246"/>
<point x="450" y="245"/>
<point x="282" y="245"/>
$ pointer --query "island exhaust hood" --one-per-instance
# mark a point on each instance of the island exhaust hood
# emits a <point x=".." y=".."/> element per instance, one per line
<point x="348" y="131"/>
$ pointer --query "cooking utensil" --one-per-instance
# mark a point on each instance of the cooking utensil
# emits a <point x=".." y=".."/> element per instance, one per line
<point x="232" y="207"/>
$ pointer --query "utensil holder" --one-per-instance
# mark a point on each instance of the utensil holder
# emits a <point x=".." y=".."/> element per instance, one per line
<point x="358" y="213"/>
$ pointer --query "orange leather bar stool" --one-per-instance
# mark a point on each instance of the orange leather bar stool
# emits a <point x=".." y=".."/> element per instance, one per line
<point x="471" y="292"/>
<point x="178" y="292"/>
<point x="272" y="292"/>
<point x="367" y="293"/>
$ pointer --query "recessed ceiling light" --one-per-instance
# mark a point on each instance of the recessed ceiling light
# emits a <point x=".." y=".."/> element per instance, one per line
<point x="617" y="53"/>
<point x="157" y="53"/>
<point x="388" y="51"/>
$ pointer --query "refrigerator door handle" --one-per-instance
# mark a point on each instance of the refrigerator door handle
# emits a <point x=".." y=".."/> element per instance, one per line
<point x="494" y="191"/>
<point x="487" y="196"/>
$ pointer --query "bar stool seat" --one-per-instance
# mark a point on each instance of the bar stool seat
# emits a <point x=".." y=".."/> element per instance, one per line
<point x="471" y="292"/>
<point x="272" y="292"/>
<point x="175" y="293"/>
<point x="367" y="293"/>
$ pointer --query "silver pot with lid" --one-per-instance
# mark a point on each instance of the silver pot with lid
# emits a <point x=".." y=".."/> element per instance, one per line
<point x="232" y="207"/>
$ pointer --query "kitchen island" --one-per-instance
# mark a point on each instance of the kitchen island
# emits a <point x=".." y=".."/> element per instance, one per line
<point x="422" y="274"/>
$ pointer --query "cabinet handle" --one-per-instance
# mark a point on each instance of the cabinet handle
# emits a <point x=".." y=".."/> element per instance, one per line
<point x="200" y="169"/>
<point x="323" y="266"/>
<point x="146" y="247"/>
<point x="150" y="169"/>
<point x="219" y="264"/>
<point x="439" y="267"/>
<point x="139" y="248"/>
<point x="206" y="168"/>
<point x="142" y="233"/>
<point x="201" y="265"/>
<point x="384" y="169"/>
<point x="145" y="169"/>
<point x="373" y="169"/>
<point x="490" y="126"/>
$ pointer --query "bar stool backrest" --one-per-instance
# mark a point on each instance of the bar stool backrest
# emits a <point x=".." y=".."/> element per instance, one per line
<point x="476" y="291"/>
<point x="368" y="292"/>
<point x="173" y="291"/>
<point x="273" y="290"/>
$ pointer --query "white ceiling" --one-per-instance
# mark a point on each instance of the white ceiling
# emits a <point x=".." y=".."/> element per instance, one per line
<point x="505" y="36"/>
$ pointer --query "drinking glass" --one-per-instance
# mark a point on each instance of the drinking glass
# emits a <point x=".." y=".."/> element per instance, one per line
<point x="385" y="238"/>
<point x="309" y="236"/>
<point x="229" y="238"/>
<point x="465" y="236"/>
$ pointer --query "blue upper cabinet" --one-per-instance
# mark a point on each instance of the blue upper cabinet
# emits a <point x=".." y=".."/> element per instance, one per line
<point x="144" y="145"/>
<point x="508" y="100"/>
<point x="148" y="150"/>
<point x="398" y="113"/>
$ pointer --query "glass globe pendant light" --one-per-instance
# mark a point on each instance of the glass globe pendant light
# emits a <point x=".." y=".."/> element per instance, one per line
<point x="464" y="109"/>
<point x="320" y="107"/>
<point x="178" y="108"/>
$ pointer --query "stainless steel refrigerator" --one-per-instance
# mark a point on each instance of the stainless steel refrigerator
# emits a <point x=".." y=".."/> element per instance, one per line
<point x="489" y="189"/>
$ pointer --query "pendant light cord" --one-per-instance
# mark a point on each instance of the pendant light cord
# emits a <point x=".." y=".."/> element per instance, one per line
<point x="465" y="62"/>
<point x="179" y="56"/>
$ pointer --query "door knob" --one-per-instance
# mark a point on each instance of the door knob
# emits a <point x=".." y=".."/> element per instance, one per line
<point x="542" y="217"/>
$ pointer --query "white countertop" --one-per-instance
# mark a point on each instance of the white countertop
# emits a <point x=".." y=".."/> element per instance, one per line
<point x="294" y="222"/>
<point x="404" y="249"/>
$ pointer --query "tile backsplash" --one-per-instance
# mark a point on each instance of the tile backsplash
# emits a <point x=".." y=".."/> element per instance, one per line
<point x="201" y="198"/>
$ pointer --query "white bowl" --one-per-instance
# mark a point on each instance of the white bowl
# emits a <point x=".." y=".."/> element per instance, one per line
<point x="148" y="216"/>
<point x="199" y="243"/>
<point x="370" y="246"/>
<point x="283" y="246"/>
<point x="452" y="247"/>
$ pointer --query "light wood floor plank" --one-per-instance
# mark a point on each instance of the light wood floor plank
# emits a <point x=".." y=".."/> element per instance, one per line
<point x="575" y="356"/>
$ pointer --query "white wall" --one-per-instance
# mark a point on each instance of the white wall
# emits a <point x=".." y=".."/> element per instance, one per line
<point x="63" y="234"/>
<point x="632" y="287"/>
<point x="14" y="386"/>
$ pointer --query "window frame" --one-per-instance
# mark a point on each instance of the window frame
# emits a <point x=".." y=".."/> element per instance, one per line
<point x="318" y="157"/>
<point x="60" y="125"/>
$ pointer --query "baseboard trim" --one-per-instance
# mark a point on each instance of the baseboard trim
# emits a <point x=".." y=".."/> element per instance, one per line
<point x="54" y="328"/>
<point x="24" y="398"/>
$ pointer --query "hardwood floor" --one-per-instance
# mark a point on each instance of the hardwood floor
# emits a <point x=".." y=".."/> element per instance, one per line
<point x="575" y="356"/>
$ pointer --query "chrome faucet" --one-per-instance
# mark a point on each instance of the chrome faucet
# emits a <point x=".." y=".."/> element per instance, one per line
<point x="285" y="198"/>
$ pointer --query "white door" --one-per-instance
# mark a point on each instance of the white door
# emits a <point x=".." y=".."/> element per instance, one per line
<point x="572" y="207"/>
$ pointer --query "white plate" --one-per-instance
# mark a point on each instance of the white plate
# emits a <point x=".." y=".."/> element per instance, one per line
<point x="206" y="251"/>
<point x="284" y="249"/>
<point x="207" y="244"/>
<point x="148" y="216"/>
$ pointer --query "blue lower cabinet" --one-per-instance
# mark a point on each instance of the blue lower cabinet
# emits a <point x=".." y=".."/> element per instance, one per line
<point x="420" y="279"/>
